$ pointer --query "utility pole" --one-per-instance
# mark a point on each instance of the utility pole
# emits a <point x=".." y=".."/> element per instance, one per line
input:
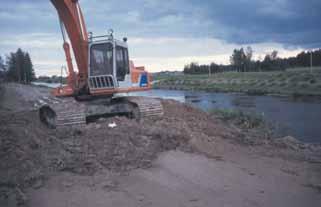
<point x="311" y="61"/>
<point x="62" y="67"/>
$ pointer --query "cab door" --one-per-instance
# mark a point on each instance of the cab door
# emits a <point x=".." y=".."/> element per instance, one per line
<point x="101" y="66"/>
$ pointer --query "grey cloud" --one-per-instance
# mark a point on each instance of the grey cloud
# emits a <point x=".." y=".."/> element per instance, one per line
<point x="290" y="22"/>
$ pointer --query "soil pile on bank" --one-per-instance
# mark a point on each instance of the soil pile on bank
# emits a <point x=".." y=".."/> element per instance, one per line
<point x="85" y="149"/>
<point x="30" y="152"/>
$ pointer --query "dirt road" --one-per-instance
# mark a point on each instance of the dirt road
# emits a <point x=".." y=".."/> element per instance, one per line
<point x="186" y="159"/>
<point x="184" y="179"/>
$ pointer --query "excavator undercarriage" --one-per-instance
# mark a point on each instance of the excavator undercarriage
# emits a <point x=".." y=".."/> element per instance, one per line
<point x="68" y="111"/>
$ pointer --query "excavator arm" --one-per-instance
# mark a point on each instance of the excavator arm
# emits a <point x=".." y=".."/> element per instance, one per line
<point x="72" y="22"/>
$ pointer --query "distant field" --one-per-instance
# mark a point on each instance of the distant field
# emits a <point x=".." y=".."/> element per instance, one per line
<point x="298" y="81"/>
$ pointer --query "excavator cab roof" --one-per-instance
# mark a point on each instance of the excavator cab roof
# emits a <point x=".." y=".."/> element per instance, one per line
<point x="107" y="38"/>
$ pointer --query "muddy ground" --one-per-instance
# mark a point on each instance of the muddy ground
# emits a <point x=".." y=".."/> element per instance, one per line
<point x="187" y="158"/>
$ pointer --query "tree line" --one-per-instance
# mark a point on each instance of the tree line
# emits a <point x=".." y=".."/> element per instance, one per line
<point x="18" y="67"/>
<point x="241" y="60"/>
<point x="52" y="79"/>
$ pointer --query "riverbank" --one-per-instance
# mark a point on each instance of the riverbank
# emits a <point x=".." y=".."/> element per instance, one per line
<point x="293" y="82"/>
<point x="187" y="158"/>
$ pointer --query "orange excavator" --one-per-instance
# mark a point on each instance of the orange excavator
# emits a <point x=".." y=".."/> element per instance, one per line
<point x="104" y="74"/>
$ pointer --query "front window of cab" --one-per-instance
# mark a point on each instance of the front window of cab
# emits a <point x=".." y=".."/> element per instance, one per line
<point x="101" y="59"/>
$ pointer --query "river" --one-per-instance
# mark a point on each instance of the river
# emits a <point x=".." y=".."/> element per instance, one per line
<point x="50" y="85"/>
<point x="298" y="118"/>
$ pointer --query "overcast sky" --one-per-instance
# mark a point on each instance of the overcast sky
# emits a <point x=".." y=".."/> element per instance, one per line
<point x="166" y="35"/>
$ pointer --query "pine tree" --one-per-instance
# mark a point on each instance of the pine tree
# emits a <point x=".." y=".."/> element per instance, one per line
<point x="20" y="68"/>
<point x="12" y="73"/>
<point x="2" y="69"/>
<point x="2" y="66"/>
<point x="21" y="73"/>
<point x="28" y="68"/>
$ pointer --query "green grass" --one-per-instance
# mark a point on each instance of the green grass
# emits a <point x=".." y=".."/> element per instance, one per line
<point x="254" y="129"/>
<point x="298" y="81"/>
<point x="239" y="118"/>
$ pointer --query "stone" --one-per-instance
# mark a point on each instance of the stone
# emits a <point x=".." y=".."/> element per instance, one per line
<point x="140" y="197"/>
<point x="38" y="184"/>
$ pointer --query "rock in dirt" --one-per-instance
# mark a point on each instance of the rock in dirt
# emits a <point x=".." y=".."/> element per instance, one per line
<point x="140" y="197"/>
<point x="67" y="184"/>
<point x="38" y="184"/>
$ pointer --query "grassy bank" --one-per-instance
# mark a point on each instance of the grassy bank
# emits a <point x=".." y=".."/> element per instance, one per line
<point x="299" y="81"/>
<point x="253" y="128"/>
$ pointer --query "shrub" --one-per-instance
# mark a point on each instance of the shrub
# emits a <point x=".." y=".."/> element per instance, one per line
<point x="312" y="81"/>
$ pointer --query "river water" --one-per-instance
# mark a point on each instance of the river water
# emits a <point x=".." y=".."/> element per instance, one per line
<point x="298" y="118"/>
<point x="50" y="85"/>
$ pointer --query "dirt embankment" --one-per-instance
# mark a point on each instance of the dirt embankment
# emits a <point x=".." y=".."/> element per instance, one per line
<point x="30" y="152"/>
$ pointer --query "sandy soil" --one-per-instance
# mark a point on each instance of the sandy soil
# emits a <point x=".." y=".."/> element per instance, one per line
<point x="185" y="159"/>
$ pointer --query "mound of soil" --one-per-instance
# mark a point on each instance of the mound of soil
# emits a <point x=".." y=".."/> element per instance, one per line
<point x="30" y="152"/>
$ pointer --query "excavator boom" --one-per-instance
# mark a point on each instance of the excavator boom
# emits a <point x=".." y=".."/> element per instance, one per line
<point x="72" y="22"/>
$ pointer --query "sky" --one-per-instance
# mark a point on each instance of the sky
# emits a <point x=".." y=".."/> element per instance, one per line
<point x="166" y="35"/>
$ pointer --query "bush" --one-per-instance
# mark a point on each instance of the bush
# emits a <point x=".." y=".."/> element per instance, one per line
<point x="256" y="92"/>
<point x="282" y="84"/>
<point x="312" y="81"/>
<point x="304" y="85"/>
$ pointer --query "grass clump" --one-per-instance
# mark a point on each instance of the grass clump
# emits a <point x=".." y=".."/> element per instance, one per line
<point x="239" y="118"/>
<point x="253" y="128"/>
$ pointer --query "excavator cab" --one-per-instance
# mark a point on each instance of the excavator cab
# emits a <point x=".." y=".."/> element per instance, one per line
<point x="108" y="64"/>
<point x="110" y="70"/>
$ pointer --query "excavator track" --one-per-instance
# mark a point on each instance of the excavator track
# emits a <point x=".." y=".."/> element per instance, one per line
<point x="67" y="111"/>
<point x="63" y="112"/>
<point x="148" y="107"/>
<point x="70" y="112"/>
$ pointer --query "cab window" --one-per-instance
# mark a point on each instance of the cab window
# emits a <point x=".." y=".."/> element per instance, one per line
<point x="122" y="63"/>
<point x="101" y="59"/>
